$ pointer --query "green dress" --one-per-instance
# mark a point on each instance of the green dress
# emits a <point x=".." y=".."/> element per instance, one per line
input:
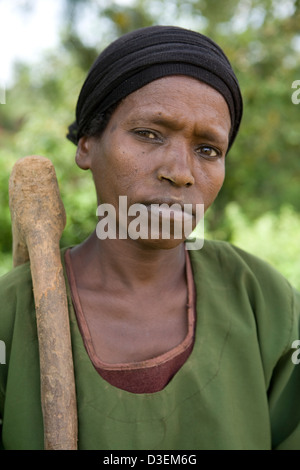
<point x="239" y="388"/>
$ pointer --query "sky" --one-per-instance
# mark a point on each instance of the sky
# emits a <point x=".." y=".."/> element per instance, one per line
<point x="24" y="36"/>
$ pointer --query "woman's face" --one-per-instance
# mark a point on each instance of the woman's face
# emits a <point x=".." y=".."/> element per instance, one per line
<point x="165" y="143"/>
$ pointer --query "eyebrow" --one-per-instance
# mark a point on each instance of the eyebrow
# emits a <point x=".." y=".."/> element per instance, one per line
<point x="171" y="123"/>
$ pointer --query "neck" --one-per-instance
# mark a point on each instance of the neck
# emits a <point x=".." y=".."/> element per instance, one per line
<point x="129" y="264"/>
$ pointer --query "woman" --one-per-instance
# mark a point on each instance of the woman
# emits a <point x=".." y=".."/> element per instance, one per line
<point x="174" y="347"/>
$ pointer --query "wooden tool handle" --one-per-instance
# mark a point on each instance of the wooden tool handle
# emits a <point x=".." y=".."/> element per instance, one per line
<point x="38" y="220"/>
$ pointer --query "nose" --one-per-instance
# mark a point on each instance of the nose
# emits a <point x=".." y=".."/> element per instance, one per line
<point x="177" y="167"/>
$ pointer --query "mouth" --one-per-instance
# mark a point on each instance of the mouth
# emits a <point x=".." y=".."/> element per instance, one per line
<point x="165" y="218"/>
<point x="171" y="209"/>
<point x="165" y="212"/>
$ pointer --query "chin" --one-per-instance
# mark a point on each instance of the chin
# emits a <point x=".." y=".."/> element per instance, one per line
<point x="159" y="244"/>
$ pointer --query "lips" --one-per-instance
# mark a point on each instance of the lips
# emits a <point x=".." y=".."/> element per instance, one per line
<point x="163" y="211"/>
<point x="168" y="206"/>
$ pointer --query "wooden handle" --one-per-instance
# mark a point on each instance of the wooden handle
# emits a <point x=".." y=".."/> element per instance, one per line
<point x="38" y="219"/>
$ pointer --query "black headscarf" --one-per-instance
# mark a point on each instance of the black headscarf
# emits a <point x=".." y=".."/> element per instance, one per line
<point x="146" y="54"/>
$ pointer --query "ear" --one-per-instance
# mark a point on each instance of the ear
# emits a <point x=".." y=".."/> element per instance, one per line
<point x="83" y="154"/>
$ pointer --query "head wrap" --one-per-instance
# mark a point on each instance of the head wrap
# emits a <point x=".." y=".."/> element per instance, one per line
<point x="141" y="56"/>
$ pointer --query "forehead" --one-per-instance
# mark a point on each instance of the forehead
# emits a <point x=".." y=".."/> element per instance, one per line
<point x="177" y="98"/>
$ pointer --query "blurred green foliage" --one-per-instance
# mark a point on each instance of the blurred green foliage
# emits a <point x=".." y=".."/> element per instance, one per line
<point x="273" y="237"/>
<point x="259" y="205"/>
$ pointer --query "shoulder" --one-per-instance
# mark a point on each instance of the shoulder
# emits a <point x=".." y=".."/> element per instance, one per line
<point x="16" y="295"/>
<point x="15" y="279"/>
<point x="235" y="263"/>
<point x="248" y="283"/>
<point x="15" y="284"/>
<point x="17" y="316"/>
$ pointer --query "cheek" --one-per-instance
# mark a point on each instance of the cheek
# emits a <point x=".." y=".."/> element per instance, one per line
<point x="128" y="161"/>
<point x="114" y="171"/>
<point x="211" y="181"/>
<point x="217" y="180"/>
<point x="220" y="176"/>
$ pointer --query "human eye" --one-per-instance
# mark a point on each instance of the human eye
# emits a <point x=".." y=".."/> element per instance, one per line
<point x="147" y="134"/>
<point x="209" y="152"/>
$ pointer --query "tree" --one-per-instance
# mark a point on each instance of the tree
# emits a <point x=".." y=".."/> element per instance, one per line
<point x="261" y="38"/>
